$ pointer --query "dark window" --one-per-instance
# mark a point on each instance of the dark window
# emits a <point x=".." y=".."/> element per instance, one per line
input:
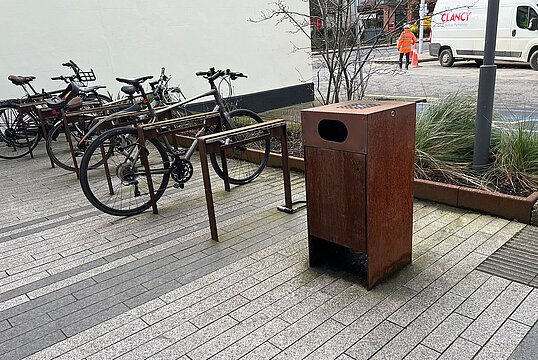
<point x="524" y="14"/>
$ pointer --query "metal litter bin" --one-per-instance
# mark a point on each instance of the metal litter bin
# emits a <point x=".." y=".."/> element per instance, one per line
<point x="359" y="166"/>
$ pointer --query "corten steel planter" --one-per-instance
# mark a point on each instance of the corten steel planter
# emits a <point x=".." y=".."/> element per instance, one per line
<point x="507" y="206"/>
<point x="359" y="164"/>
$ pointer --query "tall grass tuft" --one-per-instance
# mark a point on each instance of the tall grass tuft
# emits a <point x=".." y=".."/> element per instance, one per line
<point x="515" y="163"/>
<point x="444" y="140"/>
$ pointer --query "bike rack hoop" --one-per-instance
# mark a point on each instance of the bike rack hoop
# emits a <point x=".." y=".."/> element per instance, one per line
<point x="219" y="142"/>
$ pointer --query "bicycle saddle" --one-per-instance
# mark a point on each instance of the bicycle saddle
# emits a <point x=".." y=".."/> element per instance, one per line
<point x="128" y="89"/>
<point x="20" y="80"/>
<point x="89" y="89"/>
<point x="134" y="82"/>
<point x="61" y="101"/>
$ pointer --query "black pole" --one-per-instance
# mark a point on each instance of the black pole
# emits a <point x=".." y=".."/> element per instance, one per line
<point x="486" y="89"/>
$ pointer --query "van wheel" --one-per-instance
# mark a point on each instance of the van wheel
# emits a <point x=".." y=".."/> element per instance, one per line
<point x="534" y="61"/>
<point x="445" y="58"/>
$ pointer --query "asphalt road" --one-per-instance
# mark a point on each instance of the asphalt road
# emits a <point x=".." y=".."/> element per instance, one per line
<point x="516" y="84"/>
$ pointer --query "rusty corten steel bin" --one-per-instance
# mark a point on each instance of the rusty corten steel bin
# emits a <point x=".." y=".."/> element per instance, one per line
<point x="359" y="165"/>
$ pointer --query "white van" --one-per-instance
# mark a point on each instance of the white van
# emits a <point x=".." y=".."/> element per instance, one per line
<point x="459" y="27"/>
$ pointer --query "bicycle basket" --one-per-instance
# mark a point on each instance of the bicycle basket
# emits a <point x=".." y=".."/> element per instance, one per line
<point x="86" y="76"/>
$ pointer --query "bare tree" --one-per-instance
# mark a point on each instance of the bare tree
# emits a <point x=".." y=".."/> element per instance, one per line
<point x="339" y="42"/>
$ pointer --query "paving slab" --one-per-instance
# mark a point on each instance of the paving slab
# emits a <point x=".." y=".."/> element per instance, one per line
<point x="76" y="283"/>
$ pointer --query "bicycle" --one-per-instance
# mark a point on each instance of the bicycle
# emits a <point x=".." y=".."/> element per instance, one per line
<point x="130" y="193"/>
<point x="17" y="131"/>
<point x="83" y="133"/>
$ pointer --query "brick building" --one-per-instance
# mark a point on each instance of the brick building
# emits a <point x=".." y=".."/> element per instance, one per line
<point x="389" y="14"/>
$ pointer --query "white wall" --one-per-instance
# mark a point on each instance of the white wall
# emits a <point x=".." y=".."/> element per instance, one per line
<point x="131" y="38"/>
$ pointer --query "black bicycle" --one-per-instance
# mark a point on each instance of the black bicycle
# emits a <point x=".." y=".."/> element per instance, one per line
<point x="17" y="132"/>
<point x="121" y="187"/>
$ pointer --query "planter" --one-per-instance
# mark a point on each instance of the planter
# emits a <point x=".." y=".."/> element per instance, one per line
<point x="508" y="206"/>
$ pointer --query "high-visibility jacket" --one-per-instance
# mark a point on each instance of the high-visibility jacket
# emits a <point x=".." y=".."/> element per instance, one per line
<point x="407" y="39"/>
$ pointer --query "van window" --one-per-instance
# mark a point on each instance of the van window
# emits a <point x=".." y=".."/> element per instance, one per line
<point x="524" y="14"/>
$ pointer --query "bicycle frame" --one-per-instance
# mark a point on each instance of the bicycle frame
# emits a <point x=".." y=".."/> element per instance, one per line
<point x="220" y="107"/>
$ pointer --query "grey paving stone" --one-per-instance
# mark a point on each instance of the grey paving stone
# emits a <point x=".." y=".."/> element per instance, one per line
<point x="152" y="294"/>
<point x="34" y="346"/>
<point x="196" y="339"/>
<point x="414" y="333"/>
<point x="527" y="312"/>
<point x="481" y="298"/>
<point x="313" y="319"/>
<point x="94" y="319"/>
<point x="361" y="326"/>
<point x="505" y="340"/>
<point x="460" y="349"/>
<point x="496" y="313"/>
<point x="157" y="343"/>
<point x="526" y="350"/>
<point x="470" y="283"/>
<point x="374" y="340"/>
<point x="251" y="341"/>
<point x="106" y="340"/>
<point x="52" y="279"/>
<point x="45" y="302"/>
<point x="264" y="351"/>
<point x="4" y="325"/>
<point x="422" y="353"/>
<point x="311" y="340"/>
<point x="447" y="332"/>
<point x="124" y="277"/>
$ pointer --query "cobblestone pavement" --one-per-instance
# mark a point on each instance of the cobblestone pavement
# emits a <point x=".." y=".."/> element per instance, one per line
<point x="75" y="283"/>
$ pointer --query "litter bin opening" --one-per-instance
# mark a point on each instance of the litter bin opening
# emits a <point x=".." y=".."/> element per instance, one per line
<point x="332" y="130"/>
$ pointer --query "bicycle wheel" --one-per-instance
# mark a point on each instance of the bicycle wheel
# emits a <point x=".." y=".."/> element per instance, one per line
<point x="245" y="162"/>
<point x="58" y="146"/>
<point x="12" y="136"/>
<point x="130" y="192"/>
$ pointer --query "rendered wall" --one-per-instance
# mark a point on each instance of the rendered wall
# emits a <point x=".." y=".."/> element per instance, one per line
<point x="131" y="38"/>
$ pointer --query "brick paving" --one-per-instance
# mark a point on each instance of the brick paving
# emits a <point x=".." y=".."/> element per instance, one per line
<point x="76" y="283"/>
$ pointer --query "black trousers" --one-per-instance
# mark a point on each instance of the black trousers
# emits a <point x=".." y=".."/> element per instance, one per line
<point x="406" y="59"/>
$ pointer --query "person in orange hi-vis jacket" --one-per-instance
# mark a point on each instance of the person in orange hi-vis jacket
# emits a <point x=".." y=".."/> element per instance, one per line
<point x="406" y="41"/>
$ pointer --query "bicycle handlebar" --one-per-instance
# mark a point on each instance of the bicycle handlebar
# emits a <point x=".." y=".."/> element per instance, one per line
<point x="213" y="74"/>
<point x="63" y="78"/>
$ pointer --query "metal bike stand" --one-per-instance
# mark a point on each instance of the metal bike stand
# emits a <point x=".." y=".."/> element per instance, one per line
<point x="171" y="127"/>
<point x="217" y="143"/>
<point x="78" y="117"/>
<point x="82" y="116"/>
<point x="25" y="109"/>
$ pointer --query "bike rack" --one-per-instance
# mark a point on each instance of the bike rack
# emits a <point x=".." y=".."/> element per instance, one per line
<point x="82" y="116"/>
<point x="219" y="142"/>
<point x="26" y="108"/>
<point x="166" y="128"/>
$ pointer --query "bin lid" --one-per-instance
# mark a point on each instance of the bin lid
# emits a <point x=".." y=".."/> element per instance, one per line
<point x="358" y="107"/>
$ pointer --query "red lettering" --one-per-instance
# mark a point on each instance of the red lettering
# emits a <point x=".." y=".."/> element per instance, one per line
<point x="463" y="16"/>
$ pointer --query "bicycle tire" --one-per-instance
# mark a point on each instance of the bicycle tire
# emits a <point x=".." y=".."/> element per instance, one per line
<point x="95" y="186"/>
<point x="13" y="143"/>
<point x="58" y="147"/>
<point x="245" y="163"/>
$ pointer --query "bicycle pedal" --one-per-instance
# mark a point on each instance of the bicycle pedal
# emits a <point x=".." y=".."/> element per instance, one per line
<point x="178" y="185"/>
